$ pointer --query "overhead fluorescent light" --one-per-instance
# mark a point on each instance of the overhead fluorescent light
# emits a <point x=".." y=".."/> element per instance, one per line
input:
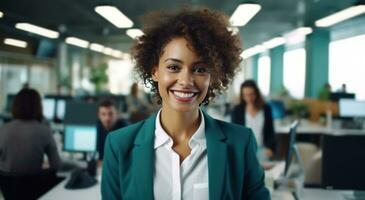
<point x="117" y="53"/>
<point x="134" y="33"/>
<point x="302" y="31"/>
<point x="96" y="47"/>
<point x="244" y="13"/>
<point x="1" y="14"/>
<point x="274" y="42"/>
<point x="126" y="56"/>
<point x="114" y="16"/>
<point x="340" y="16"/>
<point x="15" y="42"/>
<point x="233" y="29"/>
<point x="37" y="30"/>
<point x="252" y="51"/>
<point x="108" y="51"/>
<point x="298" y="35"/>
<point x="77" y="42"/>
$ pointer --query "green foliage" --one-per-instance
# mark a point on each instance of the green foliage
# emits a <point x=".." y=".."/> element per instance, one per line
<point x="98" y="76"/>
<point x="298" y="108"/>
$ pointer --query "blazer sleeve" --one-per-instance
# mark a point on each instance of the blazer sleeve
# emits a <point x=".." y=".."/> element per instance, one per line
<point x="269" y="134"/>
<point x="254" y="178"/>
<point x="110" y="185"/>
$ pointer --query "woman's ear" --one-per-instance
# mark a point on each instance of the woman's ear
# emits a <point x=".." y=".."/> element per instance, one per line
<point x="154" y="73"/>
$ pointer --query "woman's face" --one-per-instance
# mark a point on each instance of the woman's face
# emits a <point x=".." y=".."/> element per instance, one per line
<point x="183" y="77"/>
<point x="249" y="95"/>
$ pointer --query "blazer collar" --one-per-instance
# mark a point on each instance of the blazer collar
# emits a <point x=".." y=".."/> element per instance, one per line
<point x="144" y="158"/>
<point x="217" y="157"/>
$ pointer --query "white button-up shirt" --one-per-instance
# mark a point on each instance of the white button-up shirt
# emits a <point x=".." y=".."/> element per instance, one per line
<point x="173" y="181"/>
<point x="256" y="123"/>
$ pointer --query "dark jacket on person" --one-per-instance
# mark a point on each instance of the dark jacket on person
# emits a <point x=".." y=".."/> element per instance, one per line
<point x="102" y="133"/>
<point x="239" y="117"/>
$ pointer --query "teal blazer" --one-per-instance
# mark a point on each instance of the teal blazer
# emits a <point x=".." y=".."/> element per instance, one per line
<point x="234" y="172"/>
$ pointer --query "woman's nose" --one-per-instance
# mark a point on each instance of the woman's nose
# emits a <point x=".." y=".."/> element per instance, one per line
<point x="185" y="78"/>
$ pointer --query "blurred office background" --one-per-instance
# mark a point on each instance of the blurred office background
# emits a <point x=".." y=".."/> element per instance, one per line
<point x="307" y="66"/>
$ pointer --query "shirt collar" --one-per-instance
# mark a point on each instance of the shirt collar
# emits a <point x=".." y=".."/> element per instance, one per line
<point x="162" y="138"/>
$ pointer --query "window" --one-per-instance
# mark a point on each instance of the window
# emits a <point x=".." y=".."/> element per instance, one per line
<point x="294" y="72"/>
<point x="39" y="75"/>
<point x="120" y="73"/>
<point x="347" y="65"/>
<point x="264" y="70"/>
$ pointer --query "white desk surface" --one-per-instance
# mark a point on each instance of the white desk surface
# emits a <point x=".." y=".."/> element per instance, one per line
<point x="93" y="193"/>
<point x="59" y="192"/>
<point x="306" y="127"/>
<point x="313" y="194"/>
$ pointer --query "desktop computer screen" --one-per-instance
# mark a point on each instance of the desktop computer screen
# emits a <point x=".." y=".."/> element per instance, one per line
<point x="343" y="162"/>
<point x="336" y="96"/>
<point x="277" y="108"/>
<point x="48" y="108"/>
<point x="81" y="113"/>
<point x="9" y="103"/>
<point x="80" y="138"/>
<point x="291" y="146"/>
<point x="61" y="108"/>
<point x="351" y="108"/>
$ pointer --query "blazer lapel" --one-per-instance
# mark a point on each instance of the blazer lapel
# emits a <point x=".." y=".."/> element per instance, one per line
<point x="217" y="157"/>
<point x="143" y="157"/>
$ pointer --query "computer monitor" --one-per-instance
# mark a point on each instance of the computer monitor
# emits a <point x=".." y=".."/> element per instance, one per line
<point x="291" y="146"/>
<point x="277" y="108"/>
<point x="343" y="162"/>
<point x="60" y="109"/>
<point x="80" y="138"/>
<point x="78" y="112"/>
<point x="49" y="106"/>
<point x="336" y="96"/>
<point x="352" y="108"/>
<point x="9" y="102"/>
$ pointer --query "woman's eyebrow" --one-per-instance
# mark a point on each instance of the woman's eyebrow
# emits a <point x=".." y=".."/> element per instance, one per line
<point x="173" y="59"/>
<point x="180" y="61"/>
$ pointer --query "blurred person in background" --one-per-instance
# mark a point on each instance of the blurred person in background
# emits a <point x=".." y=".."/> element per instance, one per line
<point x="254" y="113"/>
<point x="325" y="92"/>
<point x="137" y="105"/>
<point x="108" y="121"/>
<point x="25" y="140"/>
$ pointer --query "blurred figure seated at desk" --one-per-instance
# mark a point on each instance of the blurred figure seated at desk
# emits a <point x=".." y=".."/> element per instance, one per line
<point x="137" y="105"/>
<point x="325" y="92"/>
<point x="108" y="121"/>
<point x="254" y="113"/>
<point x="23" y="143"/>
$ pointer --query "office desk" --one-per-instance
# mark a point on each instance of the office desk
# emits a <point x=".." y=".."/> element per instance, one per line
<point x="307" y="127"/>
<point x="313" y="194"/>
<point x="93" y="193"/>
<point x="60" y="193"/>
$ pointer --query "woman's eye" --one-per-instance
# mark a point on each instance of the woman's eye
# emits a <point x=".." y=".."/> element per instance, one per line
<point x="173" y="67"/>
<point x="201" y="69"/>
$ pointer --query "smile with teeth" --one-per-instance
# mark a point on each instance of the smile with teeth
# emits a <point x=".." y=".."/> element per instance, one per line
<point x="184" y="95"/>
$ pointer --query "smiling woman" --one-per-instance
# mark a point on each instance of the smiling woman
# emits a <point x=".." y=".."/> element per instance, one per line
<point x="183" y="78"/>
<point x="181" y="152"/>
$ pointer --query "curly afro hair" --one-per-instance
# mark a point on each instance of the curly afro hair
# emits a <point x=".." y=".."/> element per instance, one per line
<point x="205" y="30"/>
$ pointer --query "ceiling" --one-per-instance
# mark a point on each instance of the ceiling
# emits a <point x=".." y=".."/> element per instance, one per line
<point x="78" y="18"/>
